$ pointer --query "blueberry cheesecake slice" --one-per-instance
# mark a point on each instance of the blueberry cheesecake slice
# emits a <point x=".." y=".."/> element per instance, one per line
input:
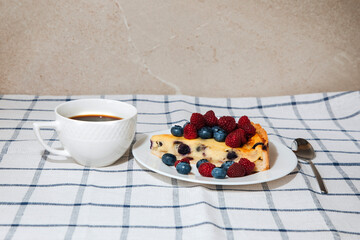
<point x="217" y="142"/>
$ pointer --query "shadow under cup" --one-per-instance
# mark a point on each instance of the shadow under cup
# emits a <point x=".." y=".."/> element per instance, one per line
<point x="93" y="144"/>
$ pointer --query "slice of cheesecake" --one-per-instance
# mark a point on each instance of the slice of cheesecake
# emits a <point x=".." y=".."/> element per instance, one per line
<point x="256" y="149"/>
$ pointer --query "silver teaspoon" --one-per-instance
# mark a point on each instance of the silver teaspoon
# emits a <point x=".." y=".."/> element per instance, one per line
<point x="304" y="150"/>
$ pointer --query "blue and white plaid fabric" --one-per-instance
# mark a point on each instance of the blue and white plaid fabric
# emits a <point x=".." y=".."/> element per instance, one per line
<point x="42" y="197"/>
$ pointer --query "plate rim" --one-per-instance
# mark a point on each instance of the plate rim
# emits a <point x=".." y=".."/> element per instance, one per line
<point x="208" y="181"/>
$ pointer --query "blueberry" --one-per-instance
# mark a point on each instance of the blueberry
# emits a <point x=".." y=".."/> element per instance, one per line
<point x="183" y="149"/>
<point x="169" y="159"/>
<point x="227" y="164"/>
<point x="220" y="135"/>
<point x="177" y="131"/>
<point x="186" y="124"/>
<point x="200" y="162"/>
<point x="200" y="148"/>
<point x="183" y="168"/>
<point x="218" y="172"/>
<point x="216" y="128"/>
<point x="231" y="155"/>
<point x="205" y="133"/>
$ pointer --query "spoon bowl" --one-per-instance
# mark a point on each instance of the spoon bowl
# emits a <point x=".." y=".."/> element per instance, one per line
<point x="303" y="149"/>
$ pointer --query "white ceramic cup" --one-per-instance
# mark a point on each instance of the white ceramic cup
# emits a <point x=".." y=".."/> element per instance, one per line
<point x="92" y="144"/>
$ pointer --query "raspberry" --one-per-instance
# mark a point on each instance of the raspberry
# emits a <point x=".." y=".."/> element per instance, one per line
<point x="227" y="123"/>
<point x="186" y="159"/>
<point x="206" y="168"/>
<point x="244" y="120"/>
<point x="210" y="118"/>
<point x="249" y="130"/>
<point x="197" y="120"/>
<point x="201" y="161"/>
<point x="236" y="170"/>
<point x="190" y="131"/>
<point x="242" y="134"/>
<point x="236" y="138"/>
<point x="232" y="140"/>
<point x="247" y="165"/>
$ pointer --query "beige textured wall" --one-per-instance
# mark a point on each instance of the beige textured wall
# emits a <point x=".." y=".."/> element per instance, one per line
<point x="205" y="48"/>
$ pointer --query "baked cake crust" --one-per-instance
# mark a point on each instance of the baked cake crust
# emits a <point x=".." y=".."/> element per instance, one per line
<point x="256" y="149"/>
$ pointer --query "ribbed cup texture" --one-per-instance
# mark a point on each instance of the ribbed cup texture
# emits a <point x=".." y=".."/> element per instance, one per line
<point x="97" y="132"/>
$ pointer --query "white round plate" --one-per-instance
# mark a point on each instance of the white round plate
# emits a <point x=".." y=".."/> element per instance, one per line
<point x="282" y="162"/>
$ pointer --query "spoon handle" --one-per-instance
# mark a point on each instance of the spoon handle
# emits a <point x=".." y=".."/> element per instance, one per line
<point x="318" y="178"/>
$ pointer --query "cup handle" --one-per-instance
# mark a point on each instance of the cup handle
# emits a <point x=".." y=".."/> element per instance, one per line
<point x="54" y="124"/>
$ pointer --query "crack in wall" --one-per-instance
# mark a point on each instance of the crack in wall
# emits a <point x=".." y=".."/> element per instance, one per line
<point x="141" y="60"/>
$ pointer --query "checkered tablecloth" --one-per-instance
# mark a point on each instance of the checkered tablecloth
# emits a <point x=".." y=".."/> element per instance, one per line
<point x="43" y="197"/>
